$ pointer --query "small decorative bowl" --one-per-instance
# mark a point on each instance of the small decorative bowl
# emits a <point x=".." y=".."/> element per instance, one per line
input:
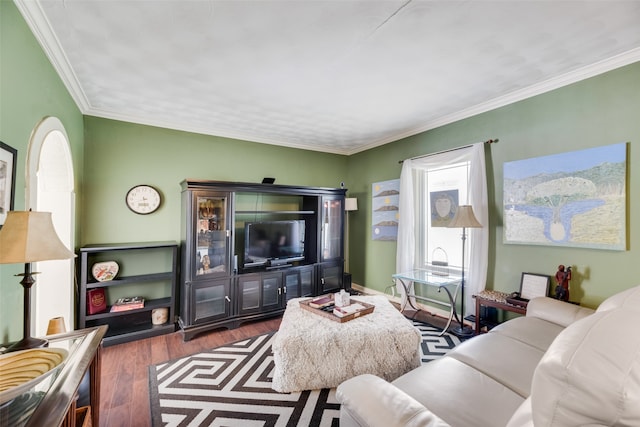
<point x="105" y="271"/>
<point x="22" y="370"/>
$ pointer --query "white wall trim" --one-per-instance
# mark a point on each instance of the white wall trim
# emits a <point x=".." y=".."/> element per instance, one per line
<point x="54" y="293"/>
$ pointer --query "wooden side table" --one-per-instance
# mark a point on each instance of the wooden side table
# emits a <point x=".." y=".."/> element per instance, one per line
<point x="497" y="300"/>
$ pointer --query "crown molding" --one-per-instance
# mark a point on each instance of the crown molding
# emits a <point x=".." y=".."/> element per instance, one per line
<point x="40" y="27"/>
<point x="221" y="133"/>
<point x="39" y="24"/>
<point x="583" y="73"/>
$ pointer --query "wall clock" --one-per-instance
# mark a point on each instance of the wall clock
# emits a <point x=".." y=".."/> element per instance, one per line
<point x="143" y="199"/>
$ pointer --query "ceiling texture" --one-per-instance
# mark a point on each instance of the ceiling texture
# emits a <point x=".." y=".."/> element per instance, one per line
<point x="337" y="76"/>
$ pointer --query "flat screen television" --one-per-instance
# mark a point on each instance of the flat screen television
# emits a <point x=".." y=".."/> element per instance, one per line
<point x="273" y="242"/>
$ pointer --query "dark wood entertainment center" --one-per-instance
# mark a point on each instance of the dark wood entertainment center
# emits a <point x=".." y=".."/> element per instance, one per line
<point x="218" y="286"/>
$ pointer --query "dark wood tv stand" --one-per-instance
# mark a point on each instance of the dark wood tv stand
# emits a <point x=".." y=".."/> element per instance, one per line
<point x="215" y="289"/>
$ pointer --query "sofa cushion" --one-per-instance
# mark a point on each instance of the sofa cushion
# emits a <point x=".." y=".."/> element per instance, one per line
<point x="536" y="332"/>
<point x="460" y="394"/>
<point x="591" y="373"/>
<point x="508" y="361"/>
<point x="556" y="311"/>
<point x="628" y="299"/>
<point x="399" y="410"/>
<point x="523" y="416"/>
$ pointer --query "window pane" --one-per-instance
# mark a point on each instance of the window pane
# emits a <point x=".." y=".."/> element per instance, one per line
<point x="443" y="187"/>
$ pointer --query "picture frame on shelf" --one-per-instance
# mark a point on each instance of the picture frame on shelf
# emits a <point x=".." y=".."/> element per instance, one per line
<point x="534" y="285"/>
<point x="8" y="160"/>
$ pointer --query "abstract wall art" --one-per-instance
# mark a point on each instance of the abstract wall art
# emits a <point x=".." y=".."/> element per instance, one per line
<point x="575" y="199"/>
<point x="385" y="209"/>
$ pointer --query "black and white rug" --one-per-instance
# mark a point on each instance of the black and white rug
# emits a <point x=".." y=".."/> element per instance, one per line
<point x="231" y="386"/>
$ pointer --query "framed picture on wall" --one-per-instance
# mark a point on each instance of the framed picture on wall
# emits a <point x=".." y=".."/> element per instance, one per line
<point x="575" y="199"/>
<point x="8" y="157"/>
<point x="385" y="202"/>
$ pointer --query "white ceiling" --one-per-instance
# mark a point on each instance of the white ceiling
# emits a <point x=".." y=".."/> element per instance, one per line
<point x="338" y="76"/>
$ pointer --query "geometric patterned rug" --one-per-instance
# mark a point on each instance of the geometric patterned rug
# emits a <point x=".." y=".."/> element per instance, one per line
<point x="231" y="386"/>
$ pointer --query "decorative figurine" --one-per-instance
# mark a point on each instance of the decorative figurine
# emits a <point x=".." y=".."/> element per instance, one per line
<point x="562" y="278"/>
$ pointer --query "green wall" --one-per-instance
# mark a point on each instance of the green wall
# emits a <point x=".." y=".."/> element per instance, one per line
<point x="598" y="111"/>
<point x="120" y="155"/>
<point x="111" y="156"/>
<point x="30" y="90"/>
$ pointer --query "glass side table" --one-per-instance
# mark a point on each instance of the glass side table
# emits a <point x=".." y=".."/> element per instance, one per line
<point x="429" y="278"/>
<point x="52" y="402"/>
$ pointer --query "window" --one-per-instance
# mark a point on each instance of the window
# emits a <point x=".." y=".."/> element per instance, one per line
<point x="440" y="189"/>
<point x="459" y="176"/>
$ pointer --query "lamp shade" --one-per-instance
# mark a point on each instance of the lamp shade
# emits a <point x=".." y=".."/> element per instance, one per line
<point x="464" y="218"/>
<point x="30" y="237"/>
<point x="350" y="204"/>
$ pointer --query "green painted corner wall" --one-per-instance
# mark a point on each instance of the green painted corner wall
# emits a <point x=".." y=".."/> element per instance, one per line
<point x="598" y="111"/>
<point x="30" y="90"/>
<point x="119" y="155"/>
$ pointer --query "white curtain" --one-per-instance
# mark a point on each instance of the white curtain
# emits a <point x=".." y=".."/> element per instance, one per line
<point x="478" y="237"/>
<point x="406" y="252"/>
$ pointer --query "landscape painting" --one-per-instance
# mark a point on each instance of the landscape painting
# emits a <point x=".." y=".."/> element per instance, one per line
<point x="575" y="199"/>
<point x="385" y="209"/>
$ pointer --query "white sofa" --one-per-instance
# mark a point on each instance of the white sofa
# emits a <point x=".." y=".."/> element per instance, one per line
<point x="560" y="365"/>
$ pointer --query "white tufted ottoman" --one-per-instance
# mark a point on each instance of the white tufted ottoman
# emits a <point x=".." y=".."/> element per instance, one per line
<point x="311" y="352"/>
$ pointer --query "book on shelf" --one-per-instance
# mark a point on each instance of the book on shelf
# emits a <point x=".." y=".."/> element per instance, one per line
<point x="320" y="302"/>
<point x="96" y="301"/>
<point x="127" y="303"/>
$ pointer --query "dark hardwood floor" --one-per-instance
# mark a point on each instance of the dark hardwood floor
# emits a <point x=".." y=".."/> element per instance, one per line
<point x="124" y="392"/>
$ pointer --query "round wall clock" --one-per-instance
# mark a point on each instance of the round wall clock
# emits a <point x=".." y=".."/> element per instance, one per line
<point x="143" y="199"/>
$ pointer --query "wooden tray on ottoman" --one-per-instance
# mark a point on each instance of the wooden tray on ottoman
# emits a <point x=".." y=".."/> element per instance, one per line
<point x="368" y="308"/>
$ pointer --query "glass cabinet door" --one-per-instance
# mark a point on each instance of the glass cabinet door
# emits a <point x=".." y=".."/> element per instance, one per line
<point x="299" y="282"/>
<point x="249" y="293"/>
<point x="212" y="240"/>
<point x="332" y="228"/>
<point x="259" y="292"/>
<point x="210" y="301"/>
<point x="330" y="276"/>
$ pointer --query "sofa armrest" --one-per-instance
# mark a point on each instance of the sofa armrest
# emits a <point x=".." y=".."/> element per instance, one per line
<point x="556" y="311"/>
<point x="372" y="401"/>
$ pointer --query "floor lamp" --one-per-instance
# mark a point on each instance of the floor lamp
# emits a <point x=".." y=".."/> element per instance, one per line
<point x="464" y="218"/>
<point x="350" y="205"/>
<point x="28" y="237"/>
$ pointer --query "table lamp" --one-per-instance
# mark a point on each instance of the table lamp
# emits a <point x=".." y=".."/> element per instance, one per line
<point x="28" y="237"/>
<point x="464" y="218"/>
